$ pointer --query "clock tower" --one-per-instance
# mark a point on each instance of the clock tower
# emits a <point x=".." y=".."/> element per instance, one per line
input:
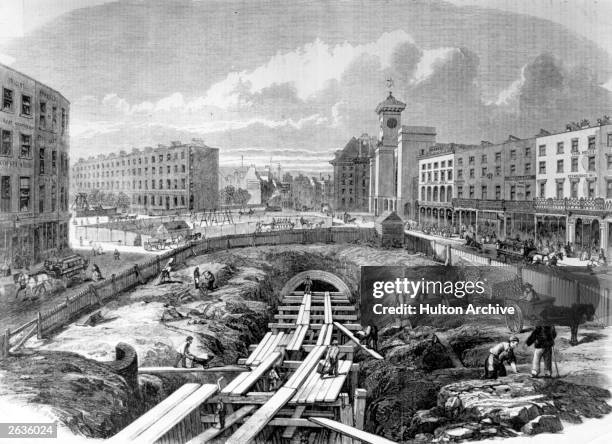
<point x="384" y="164"/>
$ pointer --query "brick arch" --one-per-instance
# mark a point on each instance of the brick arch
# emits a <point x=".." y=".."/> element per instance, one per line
<point x="316" y="275"/>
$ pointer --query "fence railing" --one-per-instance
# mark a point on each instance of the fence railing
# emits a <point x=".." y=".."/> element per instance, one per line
<point x="565" y="290"/>
<point x="98" y="293"/>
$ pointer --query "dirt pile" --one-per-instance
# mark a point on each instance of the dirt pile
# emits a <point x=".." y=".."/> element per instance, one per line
<point x="417" y="348"/>
<point x="85" y="395"/>
<point x="471" y="344"/>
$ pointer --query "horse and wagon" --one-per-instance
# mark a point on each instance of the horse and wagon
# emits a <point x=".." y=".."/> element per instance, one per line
<point x="518" y="251"/>
<point x="64" y="269"/>
<point x="171" y="242"/>
<point x="275" y="225"/>
<point x="537" y="309"/>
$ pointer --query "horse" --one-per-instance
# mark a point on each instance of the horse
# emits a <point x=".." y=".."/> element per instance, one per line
<point x="473" y="243"/>
<point x="570" y="317"/>
<point x="264" y="228"/>
<point x="35" y="283"/>
<point x="550" y="259"/>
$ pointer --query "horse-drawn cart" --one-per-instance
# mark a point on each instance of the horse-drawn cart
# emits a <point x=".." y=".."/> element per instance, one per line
<point x="543" y="311"/>
<point x="67" y="267"/>
<point x="525" y="310"/>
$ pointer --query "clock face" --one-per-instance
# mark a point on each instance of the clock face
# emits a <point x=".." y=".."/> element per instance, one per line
<point x="392" y="123"/>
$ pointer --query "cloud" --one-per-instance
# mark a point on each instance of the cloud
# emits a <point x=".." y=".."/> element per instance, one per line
<point x="272" y="105"/>
<point x="510" y="95"/>
<point x="6" y="59"/>
<point x="308" y="69"/>
<point x="430" y="61"/>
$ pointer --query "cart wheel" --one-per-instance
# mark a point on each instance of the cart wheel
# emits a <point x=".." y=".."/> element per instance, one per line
<point x="514" y="322"/>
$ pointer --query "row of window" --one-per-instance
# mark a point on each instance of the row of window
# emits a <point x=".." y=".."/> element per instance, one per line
<point x="498" y="157"/>
<point x="8" y="105"/>
<point x="25" y="196"/>
<point x="6" y="144"/>
<point x="443" y="164"/>
<point x="42" y="162"/>
<point x="484" y="192"/>
<point x="430" y="194"/>
<point x="126" y="184"/>
<point x="167" y="201"/>
<point x="573" y="188"/>
<point x="134" y="171"/>
<point x="111" y="164"/>
<point x="591" y="166"/>
<point x="444" y="175"/>
<point x="591" y="143"/>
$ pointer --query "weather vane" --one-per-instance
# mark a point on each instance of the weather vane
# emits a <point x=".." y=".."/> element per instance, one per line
<point x="390" y="84"/>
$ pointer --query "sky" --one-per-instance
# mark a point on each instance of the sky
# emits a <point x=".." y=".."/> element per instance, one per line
<point x="589" y="18"/>
<point x="293" y="81"/>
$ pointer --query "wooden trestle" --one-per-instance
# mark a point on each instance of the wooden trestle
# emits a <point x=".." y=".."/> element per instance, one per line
<point x="294" y="347"/>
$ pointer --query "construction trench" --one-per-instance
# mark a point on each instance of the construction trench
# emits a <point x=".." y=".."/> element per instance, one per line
<point x="306" y="404"/>
<point x="401" y="398"/>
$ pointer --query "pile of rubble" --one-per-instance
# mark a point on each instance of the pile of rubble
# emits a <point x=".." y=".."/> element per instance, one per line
<point x="510" y="406"/>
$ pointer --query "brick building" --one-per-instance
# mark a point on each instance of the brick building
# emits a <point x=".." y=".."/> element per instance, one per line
<point x="495" y="186"/>
<point x="574" y="185"/>
<point x="34" y="159"/>
<point x="351" y="180"/>
<point x="167" y="179"/>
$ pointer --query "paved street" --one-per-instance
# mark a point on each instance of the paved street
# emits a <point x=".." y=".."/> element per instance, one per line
<point x="14" y="313"/>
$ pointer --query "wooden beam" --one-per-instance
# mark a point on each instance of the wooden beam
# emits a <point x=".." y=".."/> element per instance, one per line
<point x="359" y="406"/>
<point x="145" y="421"/>
<point x="289" y="326"/>
<point x="176" y="415"/>
<point x="166" y="370"/>
<point x="351" y="432"/>
<point x="337" y="317"/>
<point x="352" y="337"/>
<point x="27" y="335"/>
<point x="317" y="308"/>
<point x="290" y="431"/>
<point x="346" y="417"/>
<point x="255" y="398"/>
<point x="247" y="432"/>
<point x="230" y="420"/>
<point x="343" y="348"/>
<point x="287" y="412"/>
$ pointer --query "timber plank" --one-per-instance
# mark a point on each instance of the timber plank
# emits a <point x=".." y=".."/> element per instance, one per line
<point x="323" y="335"/>
<point x="352" y="337"/>
<point x="152" y="416"/>
<point x="307" y="366"/>
<point x="176" y="414"/>
<point x="290" y="431"/>
<point x="230" y="420"/>
<point x="255" y="374"/>
<point x="350" y="431"/>
<point x="247" y="432"/>
<point x="260" y="347"/>
<point x="334" y="390"/>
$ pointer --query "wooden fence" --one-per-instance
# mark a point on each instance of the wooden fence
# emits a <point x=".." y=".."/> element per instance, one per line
<point x="565" y="290"/>
<point x="100" y="292"/>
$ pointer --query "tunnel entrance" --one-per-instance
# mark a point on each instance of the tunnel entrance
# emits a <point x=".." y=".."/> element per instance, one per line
<point x="318" y="285"/>
<point x="321" y="281"/>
